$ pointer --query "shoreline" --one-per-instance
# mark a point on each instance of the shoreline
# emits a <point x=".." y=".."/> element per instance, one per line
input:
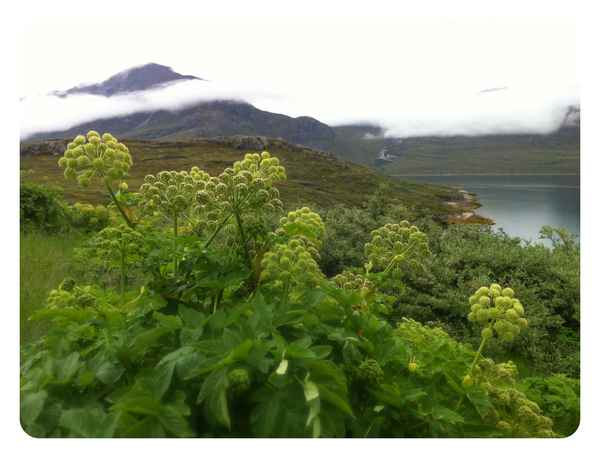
<point x="465" y="210"/>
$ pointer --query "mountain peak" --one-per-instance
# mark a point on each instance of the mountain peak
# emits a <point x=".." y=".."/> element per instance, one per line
<point x="140" y="78"/>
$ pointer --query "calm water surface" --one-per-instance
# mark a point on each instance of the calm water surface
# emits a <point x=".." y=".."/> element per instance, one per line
<point x="520" y="204"/>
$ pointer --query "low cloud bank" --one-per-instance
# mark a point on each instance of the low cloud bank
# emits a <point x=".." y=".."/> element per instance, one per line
<point x="403" y="112"/>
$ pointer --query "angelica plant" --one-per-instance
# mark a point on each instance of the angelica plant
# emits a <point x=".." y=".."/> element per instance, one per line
<point x="245" y="189"/>
<point x="170" y="195"/>
<point x="499" y="313"/>
<point x="395" y="246"/>
<point x="288" y="267"/>
<point x="94" y="157"/>
<point x="303" y="224"/>
<point x="118" y="246"/>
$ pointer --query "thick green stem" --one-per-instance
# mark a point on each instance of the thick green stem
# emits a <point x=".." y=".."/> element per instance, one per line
<point x="114" y="198"/>
<point x="238" y="220"/>
<point x="478" y="354"/>
<point x="175" y="263"/>
<point x="123" y="273"/>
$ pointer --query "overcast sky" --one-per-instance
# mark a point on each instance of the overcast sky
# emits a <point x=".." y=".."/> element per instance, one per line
<point x="413" y="77"/>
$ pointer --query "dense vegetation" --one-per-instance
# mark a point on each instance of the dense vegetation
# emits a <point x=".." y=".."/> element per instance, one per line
<point x="203" y="309"/>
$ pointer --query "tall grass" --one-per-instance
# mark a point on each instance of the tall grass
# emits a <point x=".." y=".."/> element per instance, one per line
<point x="45" y="261"/>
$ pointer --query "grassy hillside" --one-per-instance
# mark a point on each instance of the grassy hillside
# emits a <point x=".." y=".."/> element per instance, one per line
<point x="313" y="178"/>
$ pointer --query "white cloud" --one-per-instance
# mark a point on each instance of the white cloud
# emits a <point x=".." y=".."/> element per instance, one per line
<point x="403" y="112"/>
<point x="44" y="113"/>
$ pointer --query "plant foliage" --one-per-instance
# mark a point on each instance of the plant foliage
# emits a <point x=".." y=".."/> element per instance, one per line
<point x="235" y="331"/>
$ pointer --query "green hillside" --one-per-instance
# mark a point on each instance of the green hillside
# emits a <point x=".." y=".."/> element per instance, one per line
<point x="313" y="178"/>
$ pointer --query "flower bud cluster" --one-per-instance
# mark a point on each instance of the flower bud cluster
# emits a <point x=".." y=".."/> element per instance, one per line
<point x="260" y="167"/>
<point x="247" y="186"/>
<point x="498" y="311"/>
<point x="303" y="224"/>
<point x="394" y="245"/>
<point x="289" y="265"/>
<point x="95" y="156"/>
<point x="170" y="193"/>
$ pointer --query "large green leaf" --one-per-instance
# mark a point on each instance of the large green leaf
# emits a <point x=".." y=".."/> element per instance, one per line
<point x="166" y="415"/>
<point x="191" y="318"/>
<point x="146" y="340"/>
<point x="280" y="413"/>
<point x="139" y="402"/>
<point x="172" y="417"/>
<point x="331" y="382"/>
<point x="66" y="368"/>
<point x="146" y="427"/>
<point x="91" y="422"/>
<point x="161" y="378"/>
<point x="109" y="372"/>
<point x="213" y="394"/>
<point x="443" y="414"/>
<point x="31" y="406"/>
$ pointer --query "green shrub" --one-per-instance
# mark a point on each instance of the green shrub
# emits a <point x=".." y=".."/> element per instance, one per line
<point x="41" y="208"/>
<point x="462" y="258"/>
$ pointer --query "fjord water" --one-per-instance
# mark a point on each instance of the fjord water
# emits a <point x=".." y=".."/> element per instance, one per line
<point x="520" y="204"/>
